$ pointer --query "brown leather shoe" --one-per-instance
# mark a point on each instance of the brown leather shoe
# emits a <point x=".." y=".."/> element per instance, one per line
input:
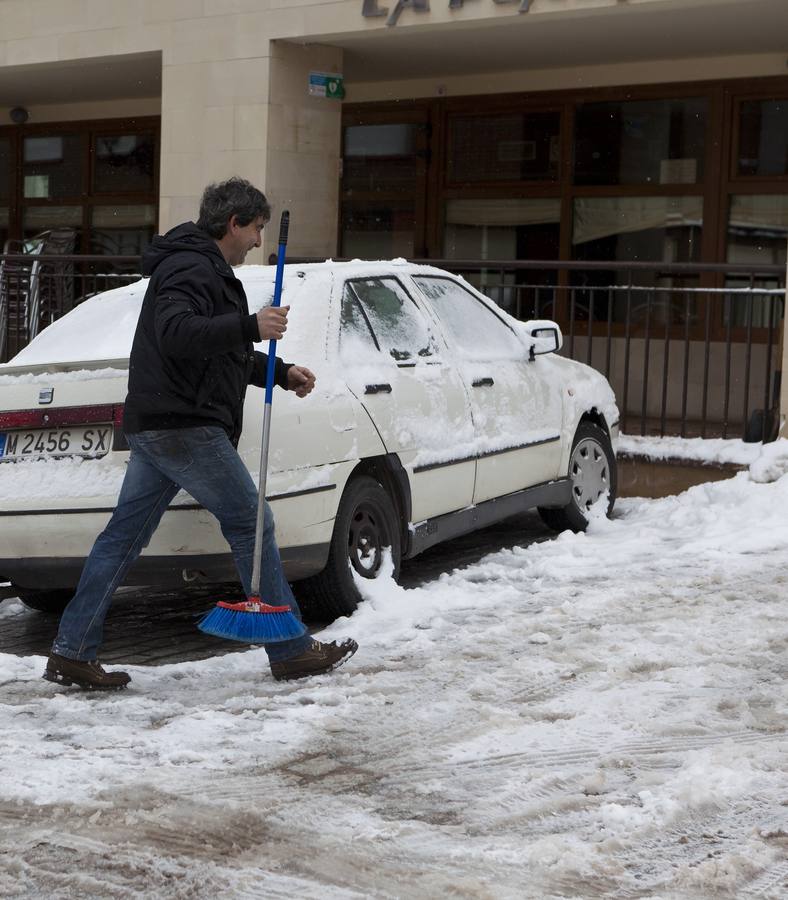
<point x="319" y="658"/>
<point x="90" y="676"/>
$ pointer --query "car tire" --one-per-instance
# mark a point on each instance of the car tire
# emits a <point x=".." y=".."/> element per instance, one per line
<point x="52" y="601"/>
<point x="366" y="523"/>
<point x="592" y="471"/>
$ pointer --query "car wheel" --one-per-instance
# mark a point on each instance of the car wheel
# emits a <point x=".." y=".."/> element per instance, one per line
<point x="592" y="473"/>
<point x="366" y="524"/>
<point x="52" y="601"/>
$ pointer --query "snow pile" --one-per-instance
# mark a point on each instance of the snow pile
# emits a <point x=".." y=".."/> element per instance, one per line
<point x="766" y="462"/>
<point x="717" y="451"/>
<point x="772" y="463"/>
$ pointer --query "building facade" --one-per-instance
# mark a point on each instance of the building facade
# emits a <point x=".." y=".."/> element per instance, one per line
<point x="559" y="130"/>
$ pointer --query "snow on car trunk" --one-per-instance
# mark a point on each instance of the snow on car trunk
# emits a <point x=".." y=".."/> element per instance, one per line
<point x="602" y="714"/>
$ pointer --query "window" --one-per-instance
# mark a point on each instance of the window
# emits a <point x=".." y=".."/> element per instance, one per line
<point x="380" y="157"/>
<point x="502" y="228"/>
<point x="43" y="218"/>
<point x="512" y="147"/>
<point x="382" y="168"/>
<point x="68" y="175"/>
<point x="757" y="234"/>
<point x="640" y="142"/>
<point x="123" y="163"/>
<point x="121" y="230"/>
<point x="380" y="309"/>
<point x="651" y="229"/>
<point x="475" y="329"/>
<point x="647" y="229"/>
<point x="52" y="166"/>
<point x="763" y="137"/>
<point x="378" y="228"/>
<point x="758" y="229"/>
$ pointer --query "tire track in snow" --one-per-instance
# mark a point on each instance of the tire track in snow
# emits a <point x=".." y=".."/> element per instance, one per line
<point x="771" y="883"/>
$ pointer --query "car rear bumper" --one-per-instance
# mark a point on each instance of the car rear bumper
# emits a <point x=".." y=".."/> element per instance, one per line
<point x="164" y="571"/>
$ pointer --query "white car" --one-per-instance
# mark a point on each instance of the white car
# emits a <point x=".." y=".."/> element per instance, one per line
<point x="435" y="414"/>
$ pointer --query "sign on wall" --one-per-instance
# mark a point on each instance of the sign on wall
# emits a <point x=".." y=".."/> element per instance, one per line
<point x="327" y="84"/>
<point x="372" y="9"/>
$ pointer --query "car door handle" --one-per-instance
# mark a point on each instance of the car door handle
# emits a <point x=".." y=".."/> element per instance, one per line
<point x="483" y="382"/>
<point x="378" y="389"/>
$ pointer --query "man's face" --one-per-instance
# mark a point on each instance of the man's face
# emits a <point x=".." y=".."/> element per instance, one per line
<point x="242" y="238"/>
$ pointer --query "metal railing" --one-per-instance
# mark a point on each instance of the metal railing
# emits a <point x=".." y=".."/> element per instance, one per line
<point x="37" y="289"/>
<point x="690" y="350"/>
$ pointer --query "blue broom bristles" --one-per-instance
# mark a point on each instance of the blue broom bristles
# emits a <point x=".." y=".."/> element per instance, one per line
<point x="251" y="627"/>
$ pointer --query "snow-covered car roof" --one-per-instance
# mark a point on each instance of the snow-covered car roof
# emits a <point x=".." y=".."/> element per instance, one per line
<point x="102" y="328"/>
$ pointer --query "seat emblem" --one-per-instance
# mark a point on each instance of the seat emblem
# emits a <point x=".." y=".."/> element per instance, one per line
<point x="45" y="395"/>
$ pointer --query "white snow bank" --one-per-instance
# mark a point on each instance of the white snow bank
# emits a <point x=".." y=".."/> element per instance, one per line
<point x="767" y="462"/>
<point x="706" y="450"/>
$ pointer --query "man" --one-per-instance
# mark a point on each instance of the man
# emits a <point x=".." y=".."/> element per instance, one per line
<point x="191" y="361"/>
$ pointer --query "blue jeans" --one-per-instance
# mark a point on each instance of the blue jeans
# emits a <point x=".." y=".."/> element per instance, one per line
<point x="204" y="463"/>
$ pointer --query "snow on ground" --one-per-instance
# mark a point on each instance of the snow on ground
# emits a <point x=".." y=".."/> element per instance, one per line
<point x="706" y="450"/>
<point x="598" y="715"/>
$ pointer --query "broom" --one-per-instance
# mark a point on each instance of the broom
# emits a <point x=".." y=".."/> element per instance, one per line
<point x="252" y="620"/>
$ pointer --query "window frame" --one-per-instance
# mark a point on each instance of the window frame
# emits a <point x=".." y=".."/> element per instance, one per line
<point x="86" y="198"/>
<point x="724" y="97"/>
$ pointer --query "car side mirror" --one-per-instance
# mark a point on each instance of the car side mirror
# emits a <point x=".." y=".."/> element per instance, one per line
<point x="545" y="336"/>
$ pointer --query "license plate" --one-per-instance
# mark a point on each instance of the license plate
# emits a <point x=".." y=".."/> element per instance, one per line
<point x="88" y="440"/>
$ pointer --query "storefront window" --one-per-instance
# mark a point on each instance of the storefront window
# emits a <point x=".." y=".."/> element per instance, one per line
<point x="52" y="166"/>
<point x="43" y="218"/>
<point x="757" y="235"/>
<point x="507" y="229"/>
<point x="122" y="230"/>
<point x="381" y="170"/>
<point x="123" y="163"/>
<point x="636" y="229"/>
<point x="378" y="229"/>
<point x="763" y="137"/>
<point x="502" y="229"/>
<point x="67" y="175"/>
<point x="511" y="147"/>
<point x="380" y="157"/>
<point x="640" y="142"/>
<point x="649" y="229"/>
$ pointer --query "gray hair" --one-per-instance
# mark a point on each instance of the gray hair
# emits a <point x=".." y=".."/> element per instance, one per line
<point x="234" y="197"/>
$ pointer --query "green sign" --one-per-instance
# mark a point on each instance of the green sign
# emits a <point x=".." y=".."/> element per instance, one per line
<point x="327" y="84"/>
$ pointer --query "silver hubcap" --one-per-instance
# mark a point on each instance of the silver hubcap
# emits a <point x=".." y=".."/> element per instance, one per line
<point x="589" y="472"/>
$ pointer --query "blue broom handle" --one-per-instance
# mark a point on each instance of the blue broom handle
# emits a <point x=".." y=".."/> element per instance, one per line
<point x="284" y="227"/>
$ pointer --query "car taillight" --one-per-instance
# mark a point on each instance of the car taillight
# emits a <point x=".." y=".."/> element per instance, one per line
<point x="68" y="415"/>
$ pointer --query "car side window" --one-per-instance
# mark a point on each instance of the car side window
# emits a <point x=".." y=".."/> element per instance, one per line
<point x="381" y="310"/>
<point x="472" y="327"/>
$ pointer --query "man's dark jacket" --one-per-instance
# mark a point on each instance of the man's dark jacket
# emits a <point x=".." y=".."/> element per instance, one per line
<point x="192" y="356"/>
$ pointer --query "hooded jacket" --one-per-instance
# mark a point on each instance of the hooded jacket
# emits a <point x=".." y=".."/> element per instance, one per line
<point x="192" y="356"/>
